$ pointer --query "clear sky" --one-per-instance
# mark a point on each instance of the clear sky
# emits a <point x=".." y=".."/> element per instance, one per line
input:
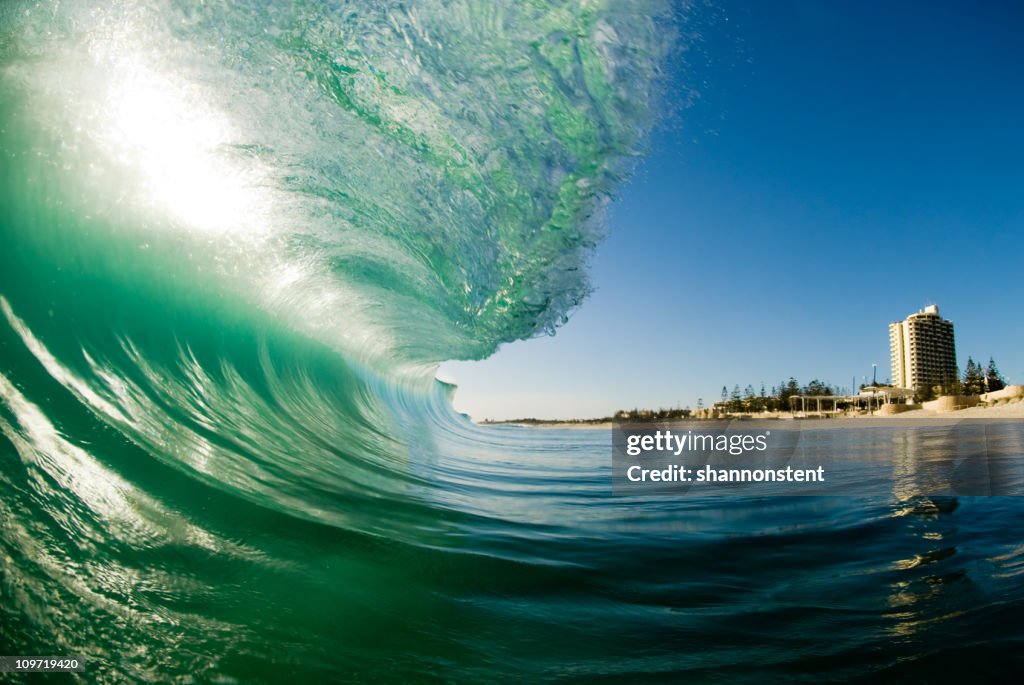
<point x="844" y="165"/>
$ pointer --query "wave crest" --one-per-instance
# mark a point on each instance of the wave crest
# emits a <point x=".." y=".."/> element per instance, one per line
<point x="409" y="183"/>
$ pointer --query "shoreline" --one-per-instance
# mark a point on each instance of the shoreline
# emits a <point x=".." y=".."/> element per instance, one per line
<point x="1013" y="410"/>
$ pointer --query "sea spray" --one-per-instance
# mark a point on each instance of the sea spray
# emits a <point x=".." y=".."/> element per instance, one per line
<point x="406" y="184"/>
<point x="238" y="237"/>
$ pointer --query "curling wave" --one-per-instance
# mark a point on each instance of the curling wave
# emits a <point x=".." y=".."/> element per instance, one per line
<point x="239" y="235"/>
<point x="242" y="235"/>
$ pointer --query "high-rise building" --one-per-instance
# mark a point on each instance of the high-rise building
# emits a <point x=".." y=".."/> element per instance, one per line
<point x="922" y="350"/>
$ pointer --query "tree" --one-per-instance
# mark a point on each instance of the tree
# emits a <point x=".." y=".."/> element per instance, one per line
<point x="993" y="379"/>
<point x="735" y="399"/>
<point x="817" y="388"/>
<point x="749" y="398"/>
<point x="974" y="378"/>
<point x="725" y="394"/>
<point x="786" y="390"/>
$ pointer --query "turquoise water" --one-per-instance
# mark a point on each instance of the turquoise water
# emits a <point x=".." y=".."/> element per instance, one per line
<point x="238" y="238"/>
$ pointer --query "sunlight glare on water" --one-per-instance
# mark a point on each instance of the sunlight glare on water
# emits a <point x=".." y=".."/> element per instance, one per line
<point x="170" y="134"/>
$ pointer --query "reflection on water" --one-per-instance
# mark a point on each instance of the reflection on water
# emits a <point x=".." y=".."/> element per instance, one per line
<point x="973" y="458"/>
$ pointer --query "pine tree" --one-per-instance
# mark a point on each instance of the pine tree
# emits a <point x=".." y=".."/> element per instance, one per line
<point x="735" y="397"/>
<point x="725" y="394"/>
<point x="816" y="387"/>
<point x="786" y="390"/>
<point x="748" y="398"/>
<point x="974" y="379"/>
<point x="993" y="379"/>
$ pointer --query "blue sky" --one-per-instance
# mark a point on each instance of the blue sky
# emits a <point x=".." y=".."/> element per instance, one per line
<point x="844" y="165"/>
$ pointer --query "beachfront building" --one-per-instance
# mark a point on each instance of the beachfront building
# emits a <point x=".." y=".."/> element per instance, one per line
<point x="922" y="350"/>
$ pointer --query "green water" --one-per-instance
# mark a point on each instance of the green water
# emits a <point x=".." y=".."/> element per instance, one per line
<point x="237" y="239"/>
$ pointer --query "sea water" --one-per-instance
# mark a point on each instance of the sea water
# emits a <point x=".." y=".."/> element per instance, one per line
<point x="238" y="237"/>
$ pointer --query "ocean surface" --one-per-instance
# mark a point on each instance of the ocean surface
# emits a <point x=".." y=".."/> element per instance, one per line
<point x="238" y="238"/>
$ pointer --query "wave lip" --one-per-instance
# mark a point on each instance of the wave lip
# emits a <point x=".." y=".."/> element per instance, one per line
<point x="238" y="239"/>
<point x="406" y="184"/>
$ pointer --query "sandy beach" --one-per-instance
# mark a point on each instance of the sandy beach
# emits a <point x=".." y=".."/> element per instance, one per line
<point x="572" y="425"/>
<point x="1013" y="410"/>
<point x="1000" y="411"/>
